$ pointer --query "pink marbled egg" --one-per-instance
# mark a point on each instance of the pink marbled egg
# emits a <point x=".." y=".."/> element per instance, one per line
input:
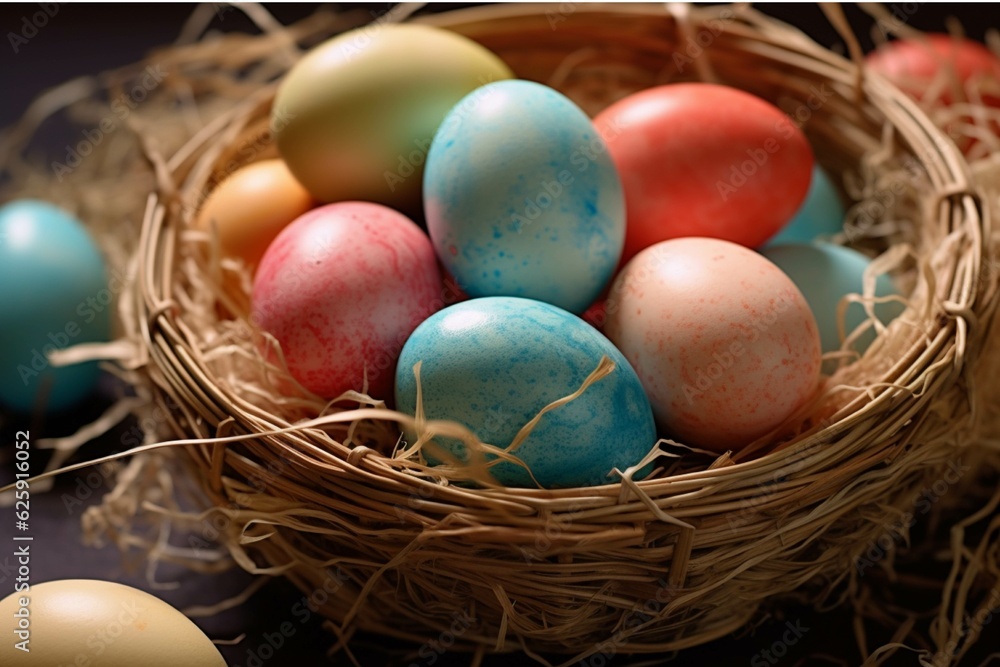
<point x="723" y="342"/>
<point x="341" y="289"/>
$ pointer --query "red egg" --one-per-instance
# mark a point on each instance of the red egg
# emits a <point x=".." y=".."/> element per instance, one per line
<point x="912" y="64"/>
<point x="341" y="289"/>
<point x="700" y="159"/>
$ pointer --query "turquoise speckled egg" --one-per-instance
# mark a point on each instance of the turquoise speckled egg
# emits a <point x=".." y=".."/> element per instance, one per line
<point x="493" y="363"/>
<point x="54" y="294"/>
<point x="522" y="198"/>
<point x="825" y="273"/>
<point x="821" y="214"/>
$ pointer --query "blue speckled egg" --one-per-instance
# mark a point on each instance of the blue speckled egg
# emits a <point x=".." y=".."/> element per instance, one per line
<point x="821" y="214"/>
<point x="825" y="273"/>
<point x="522" y="199"/>
<point x="54" y="294"/>
<point x="493" y="363"/>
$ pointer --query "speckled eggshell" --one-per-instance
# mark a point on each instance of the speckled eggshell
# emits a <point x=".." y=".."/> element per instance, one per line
<point x="723" y="341"/>
<point x="341" y="288"/>
<point x="821" y="214"/>
<point x="493" y="363"/>
<point x="522" y="199"/>
<point x="101" y="624"/>
<point x="826" y="273"/>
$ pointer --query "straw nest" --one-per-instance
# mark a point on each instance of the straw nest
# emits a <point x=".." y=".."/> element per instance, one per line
<point x="321" y="493"/>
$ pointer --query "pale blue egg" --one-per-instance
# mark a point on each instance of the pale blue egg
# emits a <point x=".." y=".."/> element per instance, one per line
<point x="522" y="199"/>
<point x="825" y="273"/>
<point x="55" y="294"/>
<point x="821" y="214"/>
<point x="493" y="363"/>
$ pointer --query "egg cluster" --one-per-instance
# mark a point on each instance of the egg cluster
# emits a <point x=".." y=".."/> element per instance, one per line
<point x="614" y="255"/>
<point x="436" y="227"/>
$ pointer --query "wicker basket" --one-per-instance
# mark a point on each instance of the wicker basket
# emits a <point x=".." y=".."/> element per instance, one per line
<point x="670" y="562"/>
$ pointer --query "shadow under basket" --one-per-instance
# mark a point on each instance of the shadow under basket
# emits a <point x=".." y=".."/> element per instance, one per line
<point x="672" y="561"/>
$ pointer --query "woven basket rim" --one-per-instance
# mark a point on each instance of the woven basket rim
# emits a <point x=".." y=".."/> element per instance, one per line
<point x="208" y="410"/>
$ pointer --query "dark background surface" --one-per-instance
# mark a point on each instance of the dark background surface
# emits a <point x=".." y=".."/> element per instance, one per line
<point x="80" y="40"/>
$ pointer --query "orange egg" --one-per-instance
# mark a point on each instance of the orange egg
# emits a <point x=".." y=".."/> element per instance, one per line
<point x="251" y="206"/>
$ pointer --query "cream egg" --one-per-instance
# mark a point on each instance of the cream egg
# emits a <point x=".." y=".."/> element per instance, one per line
<point x="99" y="623"/>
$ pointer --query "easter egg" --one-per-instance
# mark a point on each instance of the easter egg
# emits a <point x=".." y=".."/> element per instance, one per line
<point x="825" y="274"/>
<point x="821" y="214"/>
<point x="723" y="341"/>
<point x="700" y="159"/>
<point x="493" y="363"/>
<point x="55" y="294"/>
<point x="521" y="198"/>
<point x="251" y="206"/>
<point x="912" y="64"/>
<point x="355" y="117"/>
<point x="341" y="288"/>
<point x="88" y="622"/>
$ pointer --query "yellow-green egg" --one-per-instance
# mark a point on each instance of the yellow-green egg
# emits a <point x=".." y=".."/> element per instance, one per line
<point x="355" y="117"/>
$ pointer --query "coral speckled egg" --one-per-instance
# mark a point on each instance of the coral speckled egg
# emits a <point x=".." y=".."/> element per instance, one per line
<point x="493" y="363"/>
<point x="821" y="214"/>
<point x="102" y="624"/>
<point x="723" y="341"/>
<point x="699" y="159"/>
<point x="521" y="198"/>
<point x="341" y="289"/>
<point x="251" y="206"/>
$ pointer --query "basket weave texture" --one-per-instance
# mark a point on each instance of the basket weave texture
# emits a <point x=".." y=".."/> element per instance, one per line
<point x="314" y="492"/>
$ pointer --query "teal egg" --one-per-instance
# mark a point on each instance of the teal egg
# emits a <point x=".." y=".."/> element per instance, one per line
<point x="522" y="199"/>
<point x="825" y="273"/>
<point x="821" y="214"/>
<point x="493" y="363"/>
<point x="55" y="294"/>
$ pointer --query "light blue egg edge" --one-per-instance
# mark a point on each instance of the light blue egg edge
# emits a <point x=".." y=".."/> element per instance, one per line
<point x="69" y="384"/>
<point x="827" y="322"/>
<point x="490" y="258"/>
<point x="638" y="437"/>
<point x="820" y="215"/>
